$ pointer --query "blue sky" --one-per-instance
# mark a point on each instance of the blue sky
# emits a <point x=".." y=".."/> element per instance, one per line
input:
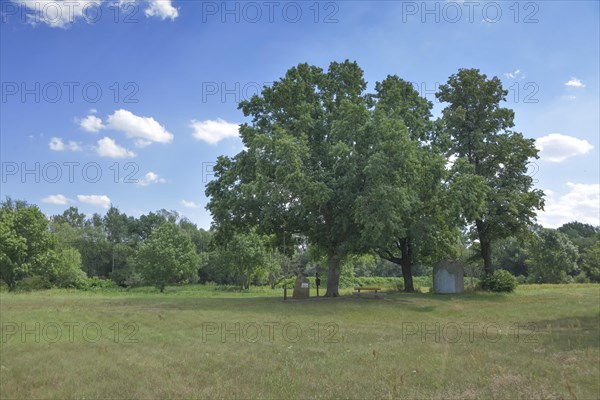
<point x="97" y="94"/>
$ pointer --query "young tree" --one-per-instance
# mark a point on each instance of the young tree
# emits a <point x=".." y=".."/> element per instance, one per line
<point x="166" y="256"/>
<point x="479" y="129"/>
<point x="25" y="243"/>
<point x="552" y="257"/>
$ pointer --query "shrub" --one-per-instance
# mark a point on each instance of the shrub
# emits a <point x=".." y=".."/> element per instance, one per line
<point x="34" y="282"/>
<point x="582" y="278"/>
<point x="500" y="281"/>
<point x="567" y="279"/>
<point x="68" y="273"/>
<point x="94" y="283"/>
<point x="521" y="279"/>
<point x="127" y="277"/>
<point x="134" y="279"/>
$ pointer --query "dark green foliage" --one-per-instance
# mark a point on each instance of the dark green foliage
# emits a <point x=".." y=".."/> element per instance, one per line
<point x="500" y="281"/>
<point x="33" y="282"/>
<point x="511" y="254"/>
<point x="96" y="284"/>
<point x="591" y="262"/>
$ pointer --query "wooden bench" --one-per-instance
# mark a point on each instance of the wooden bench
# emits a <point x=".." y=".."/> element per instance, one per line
<point x="372" y="289"/>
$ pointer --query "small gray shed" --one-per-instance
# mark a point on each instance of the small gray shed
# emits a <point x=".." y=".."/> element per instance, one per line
<point x="448" y="277"/>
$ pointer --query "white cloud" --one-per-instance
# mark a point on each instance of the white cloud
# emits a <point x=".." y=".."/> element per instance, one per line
<point x="514" y="75"/>
<point x="213" y="131"/>
<point x="581" y="203"/>
<point x="91" y="123"/>
<point x="162" y="9"/>
<point x="60" y="13"/>
<point x="141" y="143"/>
<point x="74" y="146"/>
<point x="557" y="148"/>
<point x="57" y="199"/>
<point x="145" y="128"/>
<point x="108" y="148"/>
<point x="150" y="178"/>
<point x="57" y="144"/>
<point x="95" y="200"/>
<point x="574" y="82"/>
<point x="189" y="204"/>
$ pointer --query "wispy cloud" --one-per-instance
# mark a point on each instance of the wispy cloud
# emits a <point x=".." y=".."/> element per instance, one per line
<point x="514" y="75"/>
<point x="189" y="204"/>
<point x="57" y="199"/>
<point x="149" y="179"/>
<point x="95" y="200"/>
<point x="57" y="144"/>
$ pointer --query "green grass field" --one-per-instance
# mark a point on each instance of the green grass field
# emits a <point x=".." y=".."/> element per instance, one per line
<point x="198" y="342"/>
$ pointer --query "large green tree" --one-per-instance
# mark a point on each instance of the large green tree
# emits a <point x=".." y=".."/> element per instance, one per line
<point x="301" y="169"/>
<point x="411" y="205"/>
<point x="480" y="132"/>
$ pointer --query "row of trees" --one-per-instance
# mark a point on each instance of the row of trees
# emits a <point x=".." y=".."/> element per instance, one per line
<point x="64" y="250"/>
<point x="343" y="173"/>
<point x="571" y="252"/>
<point x="357" y="172"/>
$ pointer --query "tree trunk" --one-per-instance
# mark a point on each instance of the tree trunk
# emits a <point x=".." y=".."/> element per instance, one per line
<point x="486" y="248"/>
<point x="406" y="263"/>
<point x="333" y="276"/>
<point x="486" y="253"/>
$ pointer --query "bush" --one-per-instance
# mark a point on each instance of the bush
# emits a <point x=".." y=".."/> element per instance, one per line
<point x="567" y="279"/>
<point x="582" y="278"/>
<point x="127" y="277"/>
<point x="69" y="274"/>
<point x="521" y="279"/>
<point x="500" y="281"/>
<point x="34" y="282"/>
<point x="134" y="279"/>
<point x="94" y="283"/>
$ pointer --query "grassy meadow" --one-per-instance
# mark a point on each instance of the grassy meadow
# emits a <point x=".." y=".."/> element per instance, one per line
<point x="204" y="342"/>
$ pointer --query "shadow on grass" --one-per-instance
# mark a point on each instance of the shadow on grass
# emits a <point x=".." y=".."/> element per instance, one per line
<point x="565" y="334"/>
<point x="417" y="302"/>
